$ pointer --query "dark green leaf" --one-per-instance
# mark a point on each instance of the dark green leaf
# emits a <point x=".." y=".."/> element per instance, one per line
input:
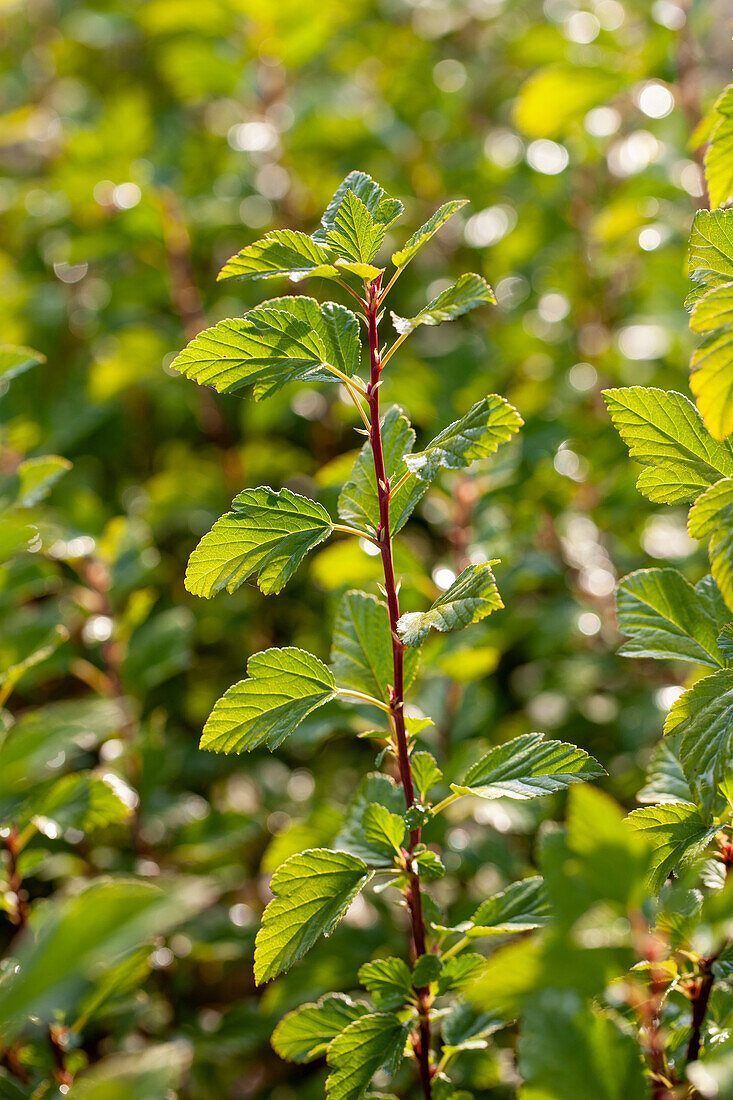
<point x="519" y="908"/>
<point x="702" y="719"/>
<point x="678" y="836"/>
<point x="361" y="655"/>
<point x="372" y="789"/>
<point x="528" y="767"/>
<point x="370" y="1043"/>
<point x="305" y="1034"/>
<point x="389" y="982"/>
<point x="664" y="617"/>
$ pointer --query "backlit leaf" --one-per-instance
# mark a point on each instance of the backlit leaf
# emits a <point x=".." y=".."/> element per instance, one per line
<point x="664" y="618"/>
<point x="312" y="891"/>
<point x="374" y="1041"/>
<point x="719" y="153"/>
<point x="702" y="719"/>
<point x="267" y="533"/>
<point x="284" y="687"/>
<point x="380" y="205"/>
<point x="361" y="654"/>
<point x="389" y="981"/>
<point x="478" y="434"/>
<point x="355" y="235"/>
<point x="677" y="833"/>
<point x="527" y="767"/>
<point x="521" y="907"/>
<point x="282" y="252"/>
<point x="469" y="292"/>
<point x="471" y="597"/>
<point x="305" y="1034"/>
<point x="711" y="517"/>
<point x="402" y="257"/>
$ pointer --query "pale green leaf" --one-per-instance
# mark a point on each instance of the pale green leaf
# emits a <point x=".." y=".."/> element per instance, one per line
<point x="384" y="832"/>
<point x="361" y="654"/>
<point x="702" y="718"/>
<point x="710" y="260"/>
<point x="374" y="1041"/>
<point x="284" y="687"/>
<point x="16" y="360"/>
<point x="389" y="982"/>
<point x="712" y="363"/>
<point x="380" y="205"/>
<point x="527" y="767"/>
<point x="368" y="272"/>
<point x="664" y="618"/>
<point x="283" y="252"/>
<point x="677" y="833"/>
<point x="267" y="533"/>
<point x="358" y="502"/>
<point x="425" y="771"/>
<point x="355" y="235"/>
<point x="374" y="788"/>
<point x="711" y="517"/>
<point x="469" y="292"/>
<point x="305" y="1034"/>
<point x="460" y="971"/>
<point x="12" y="675"/>
<point x="719" y="153"/>
<point x="471" y="597"/>
<point x="312" y="891"/>
<point x="521" y="907"/>
<point x="15" y="537"/>
<point x="478" y="434"/>
<point x="84" y="801"/>
<point x="402" y="257"/>
<point x="285" y="340"/>
<point x="663" y="430"/>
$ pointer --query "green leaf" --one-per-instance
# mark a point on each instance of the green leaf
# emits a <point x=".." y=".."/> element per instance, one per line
<point x="471" y="597"/>
<point x="85" y="801"/>
<point x="664" y="618"/>
<point x="664" y="432"/>
<point x="465" y="1029"/>
<point x="374" y="1041"/>
<point x="74" y="938"/>
<point x="384" y="831"/>
<point x="372" y="789"/>
<point x="460" y="971"/>
<point x="719" y="153"/>
<point x="389" y="981"/>
<point x="521" y="907"/>
<point x="358" y="502"/>
<point x="725" y="642"/>
<point x="711" y="517"/>
<point x="565" y="1045"/>
<point x="15" y="537"/>
<point x="380" y="205"/>
<point x="678" y="836"/>
<point x="665" y="779"/>
<point x="368" y="272"/>
<point x="427" y="864"/>
<point x="425" y="771"/>
<point x="702" y="718"/>
<point x="710" y="260"/>
<point x="284" y="340"/>
<point x="267" y="533"/>
<point x="712" y="364"/>
<point x="527" y="767"/>
<point x="361" y="655"/>
<point x="469" y="292"/>
<point x="427" y="969"/>
<point x="312" y="891"/>
<point x="14" y="673"/>
<point x="491" y="422"/>
<point x="281" y="253"/>
<point x="355" y="235"/>
<point x="305" y="1034"/>
<point x="16" y="360"/>
<point x="402" y="257"/>
<point x="30" y="747"/>
<point x="285" y="686"/>
<point x="152" y="1072"/>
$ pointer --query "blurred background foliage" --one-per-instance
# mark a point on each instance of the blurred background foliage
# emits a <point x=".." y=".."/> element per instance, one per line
<point x="141" y="143"/>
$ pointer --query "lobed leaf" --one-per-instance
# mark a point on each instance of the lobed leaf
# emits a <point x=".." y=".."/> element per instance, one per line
<point x="285" y="686"/>
<point x="283" y="252"/>
<point x="711" y="517"/>
<point x="664" y="432"/>
<point x="358" y="502"/>
<point x="404" y="255"/>
<point x="380" y="205"/>
<point x="303" y="1035"/>
<point x="664" y="618"/>
<point x="361" y="653"/>
<point x="389" y="981"/>
<point x="284" y="340"/>
<point x="521" y="907"/>
<point x="478" y="434"/>
<point x="677" y="833"/>
<point x="312" y="891"/>
<point x="702" y="719"/>
<point x="355" y="235"/>
<point x="469" y="292"/>
<point x="471" y="597"/>
<point x="528" y="767"/>
<point x="267" y="532"/>
<point x="372" y="1042"/>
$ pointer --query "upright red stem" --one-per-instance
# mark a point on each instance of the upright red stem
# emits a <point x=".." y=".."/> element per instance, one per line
<point x="413" y="897"/>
